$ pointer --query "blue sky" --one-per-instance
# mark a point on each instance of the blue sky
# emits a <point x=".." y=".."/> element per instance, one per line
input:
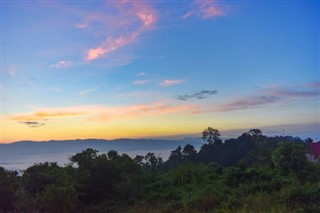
<point x="108" y="69"/>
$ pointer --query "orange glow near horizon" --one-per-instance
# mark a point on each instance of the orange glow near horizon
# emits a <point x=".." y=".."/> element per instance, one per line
<point x="74" y="126"/>
<point x="152" y="69"/>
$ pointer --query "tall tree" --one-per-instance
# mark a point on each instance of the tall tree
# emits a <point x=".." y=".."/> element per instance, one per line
<point x="175" y="157"/>
<point x="255" y="132"/>
<point x="189" y="153"/>
<point x="211" y="135"/>
<point x="152" y="161"/>
<point x="84" y="159"/>
<point x="290" y="157"/>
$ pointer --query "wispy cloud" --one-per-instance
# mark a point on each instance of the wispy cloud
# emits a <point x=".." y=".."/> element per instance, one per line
<point x="102" y="113"/>
<point x="315" y="85"/>
<point x="12" y="70"/>
<point x="203" y="94"/>
<point x="81" y="25"/>
<point x="156" y="109"/>
<point x="128" y="10"/>
<point x="246" y="103"/>
<point x="46" y="114"/>
<point x="205" y="9"/>
<point x="168" y="83"/>
<point x="61" y="64"/>
<point x="271" y="95"/>
<point x="88" y="91"/>
<point x="12" y="73"/>
<point x="141" y="82"/>
<point x="293" y="91"/>
<point x="140" y="94"/>
<point x="188" y="14"/>
<point x="109" y="45"/>
<point x="141" y="74"/>
<point x="283" y="92"/>
<point x="32" y="124"/>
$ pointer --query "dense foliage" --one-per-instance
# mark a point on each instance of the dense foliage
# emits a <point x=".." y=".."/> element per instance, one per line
<point x="251" y="173"/>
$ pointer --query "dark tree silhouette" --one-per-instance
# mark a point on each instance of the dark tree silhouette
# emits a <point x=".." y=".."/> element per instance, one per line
<point x="112" y="154"/>
<point x="85" y="158"/>
<point x="211" y="135"/>
<point x="255" y="132"/>
<point x="8" y="188"/>
<point x="189" y="153"/>
<point x="228" y="176"/>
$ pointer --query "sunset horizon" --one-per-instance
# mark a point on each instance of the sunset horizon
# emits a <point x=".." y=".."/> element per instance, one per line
<point x="304" y="131"/>
<point x="156" y="69"/>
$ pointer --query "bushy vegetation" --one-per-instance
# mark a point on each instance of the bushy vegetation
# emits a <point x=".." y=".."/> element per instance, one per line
<point x="250" y="173"/>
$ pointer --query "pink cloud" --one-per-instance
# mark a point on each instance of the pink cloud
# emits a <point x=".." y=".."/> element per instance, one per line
<point x="205" y="9"/>
<point x="114" y="25"/>
<point x="211" y="11"/>
<point x="246" y="103"/>
<point x="270" y="95"/>
<point x="82" y="25"/>
<point x="109" y="45"/>
<point x="297" y="91"/>
<point x="61" y="64"/>
<point x="102" y="113"/>
<point x="134" y="17"/>
<point x="315" y="84"/>
<point x="280" y="92"/>
<point x="188" y="14"/>
<point x="95" y="53"/>
<point x="147" y="18"/>
<point x="156" y="109"/>
<point x="168" y="83"/>
<point x="45" y="114"/>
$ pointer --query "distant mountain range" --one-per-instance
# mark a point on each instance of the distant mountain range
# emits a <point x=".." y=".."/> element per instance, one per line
<point x="20" y="155"/>
<point x="58" y="146"/>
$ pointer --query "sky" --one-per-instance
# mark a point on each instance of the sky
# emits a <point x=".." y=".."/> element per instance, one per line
<point x="150" y="69"/>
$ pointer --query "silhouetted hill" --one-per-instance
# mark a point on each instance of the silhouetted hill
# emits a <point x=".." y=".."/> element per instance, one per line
<point x="57" y="146"/>
<point x="24" y="153"/>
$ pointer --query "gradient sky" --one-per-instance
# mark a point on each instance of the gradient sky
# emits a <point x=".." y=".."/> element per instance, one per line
<point x="115" y="69"/>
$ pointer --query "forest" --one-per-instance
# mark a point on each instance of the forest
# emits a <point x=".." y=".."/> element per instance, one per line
<point x="250" y="173"/>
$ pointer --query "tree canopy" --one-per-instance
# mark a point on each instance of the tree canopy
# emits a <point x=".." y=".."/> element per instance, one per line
<point x="250" y="173"/>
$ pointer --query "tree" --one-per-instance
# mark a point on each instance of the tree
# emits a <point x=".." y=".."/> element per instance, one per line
<point x="59" y="199"/>
<point x="211" y="135"/>
<point x="112" y="154"/>
<point x="234" y="150"/>
<point x="152" y="161"/>
<point x="85" y="158"/>
<point x="189" y="153"/>
<point x="104" y="176"/>
<point x="43" y="182"/>
<point x="309" y="140"/>
<point x="255" y="133"/>
<point x="290" y="157"/>
<point x="8" y="188"/>
<point x="175" y="157"/>
<point x="139" y="159"/>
